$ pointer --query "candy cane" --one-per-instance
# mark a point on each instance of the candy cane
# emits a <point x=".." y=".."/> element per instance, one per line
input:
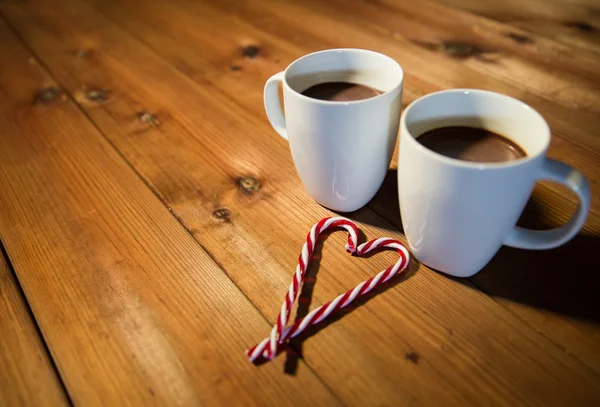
<point x="268" y="347"/>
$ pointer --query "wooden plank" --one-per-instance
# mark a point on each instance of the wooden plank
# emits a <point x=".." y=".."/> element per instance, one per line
<point x="285" y="20"/>
<point x="175" y="42"/>
<point x="547" y="69"/>
<point x="517" y="290"/>
<point x="179" y="45"/>
<point x="178" y="41"/>
<point x="569" y="22"/>
<point x="28" y="376"/>
<point x="132" y="308"/>
<point x="230" y="180"/>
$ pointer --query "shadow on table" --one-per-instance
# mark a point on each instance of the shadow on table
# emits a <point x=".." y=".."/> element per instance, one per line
<point x="565" y="280"/>
<point x="294" y="349"/>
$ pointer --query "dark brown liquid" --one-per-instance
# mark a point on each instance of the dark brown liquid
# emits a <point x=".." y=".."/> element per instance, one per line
<point x="471" y="144"/>
<point x="340" y="91"/>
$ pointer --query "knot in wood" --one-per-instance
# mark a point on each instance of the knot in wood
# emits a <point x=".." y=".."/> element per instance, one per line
<point x="148" y="118"/>
<point x="46" y="95"/>
<point x="580" y="25"/>
<point x="519" y="38"/>
<point x="413" y="357"/>
<point x="249" y="184"/>
<point x="461" y="49"/>
<point x="82" y="53"/>
<point x="250" y="51"/>
<point x="96" y="95"/>
<point x="222" y="214"/>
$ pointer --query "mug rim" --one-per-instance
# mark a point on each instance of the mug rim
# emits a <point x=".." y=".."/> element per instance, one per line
<point x="337" y="103"/>
<point x="470" y="164"/>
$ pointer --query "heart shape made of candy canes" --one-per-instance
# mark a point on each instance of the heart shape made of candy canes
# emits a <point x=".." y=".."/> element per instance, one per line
<point x="268" y="347"/>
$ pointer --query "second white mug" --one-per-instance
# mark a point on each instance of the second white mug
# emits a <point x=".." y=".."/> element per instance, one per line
<point x="341" y="150"/>
<point x="457" y="214"/>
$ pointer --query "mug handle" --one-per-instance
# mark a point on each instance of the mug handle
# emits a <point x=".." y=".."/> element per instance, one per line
<point x="553" y="170"/>
<point x="273" y="105"/>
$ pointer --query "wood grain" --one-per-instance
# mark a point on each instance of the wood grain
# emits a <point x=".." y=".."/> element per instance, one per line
<point x="527" y="292"/>
<point x="285" y="20"/>
<point x="223" y="172"/>
<point x="549" y="70"/>
<point x="573" y="23"/>
<point x="27" y="376"/>
<point x="281" y="44"/>
<point x="565" y="313"/>
<point x="132" y="308"/>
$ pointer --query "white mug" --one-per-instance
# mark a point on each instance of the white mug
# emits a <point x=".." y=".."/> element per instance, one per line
<point x="457" y="214"/>
<point x="341" y="150"/>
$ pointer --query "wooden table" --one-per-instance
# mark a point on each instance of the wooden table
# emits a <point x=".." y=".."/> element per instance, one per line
<point x="151" y="218"/>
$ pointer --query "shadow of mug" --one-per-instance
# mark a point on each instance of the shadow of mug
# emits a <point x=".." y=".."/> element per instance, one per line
<point x="564" y="280"/>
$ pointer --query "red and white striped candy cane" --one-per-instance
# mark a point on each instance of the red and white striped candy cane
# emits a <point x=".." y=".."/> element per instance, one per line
<point x="305" y="256"/>
<point x="280" y="334"/>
